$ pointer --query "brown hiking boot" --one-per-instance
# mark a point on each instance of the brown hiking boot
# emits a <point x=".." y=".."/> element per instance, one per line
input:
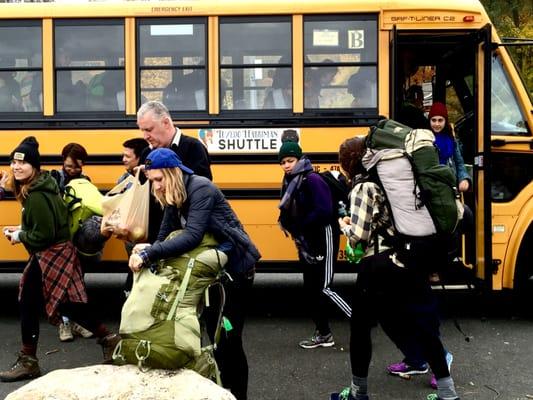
<point x="108" y="344"/>
<point x="26" y="367"/>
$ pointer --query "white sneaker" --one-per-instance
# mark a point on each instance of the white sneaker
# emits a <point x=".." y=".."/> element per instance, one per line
<point x="65" y="332"/>
<point x="79" y="330"/>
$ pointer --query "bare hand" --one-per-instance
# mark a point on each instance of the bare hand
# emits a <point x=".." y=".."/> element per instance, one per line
<point x="344" y="221"/>
<point x="140" y="247"/>
<point x="464" y="185"/>
<point x="4" y="176"/>
<point x="135" y="262"/>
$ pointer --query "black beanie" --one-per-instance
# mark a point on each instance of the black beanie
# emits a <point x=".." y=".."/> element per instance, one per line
<point x="28" y="150"/>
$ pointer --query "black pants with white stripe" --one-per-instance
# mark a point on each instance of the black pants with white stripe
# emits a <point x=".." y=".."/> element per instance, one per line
<point x="318" y="276"/>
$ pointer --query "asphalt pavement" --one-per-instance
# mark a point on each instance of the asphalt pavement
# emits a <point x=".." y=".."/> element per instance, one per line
<point x="497" y="363"/>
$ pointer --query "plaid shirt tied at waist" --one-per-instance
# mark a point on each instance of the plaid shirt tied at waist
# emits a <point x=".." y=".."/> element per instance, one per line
<point x="62" y="278"/>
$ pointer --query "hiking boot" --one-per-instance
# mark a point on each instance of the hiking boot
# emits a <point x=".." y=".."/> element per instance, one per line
<point x="449" y="360"/>
<point x="403" y="369"/>
<point x="108" y="344"/>
<point x="317" y="341"/>
<point x="26" y="367"/>
<point x="79" y="330"/>
<point x="65" y="332"/>
<point x="345" y="394"/>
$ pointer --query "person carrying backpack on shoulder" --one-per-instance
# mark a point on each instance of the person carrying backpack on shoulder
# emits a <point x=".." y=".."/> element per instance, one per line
<point x="385" y="289"/>
<point x="74" y="157"/>
<point x="306" y="212"/>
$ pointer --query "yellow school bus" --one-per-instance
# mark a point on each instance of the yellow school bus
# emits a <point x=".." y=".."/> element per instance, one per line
<point x="238" y="74"/>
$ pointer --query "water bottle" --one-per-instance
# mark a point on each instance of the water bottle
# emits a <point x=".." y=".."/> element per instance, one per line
<point x="342" y="210"/>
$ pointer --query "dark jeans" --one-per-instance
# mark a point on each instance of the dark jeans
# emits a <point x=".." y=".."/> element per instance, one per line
<point x="402" y="302"/>
<point x="32" y="304"/>
<point x="230" y="355"/>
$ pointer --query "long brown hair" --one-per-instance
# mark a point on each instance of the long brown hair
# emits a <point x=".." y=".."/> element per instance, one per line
<point x="175" y="192"/>
<point x="351" y="152"/>
<point x="22" y="189"/>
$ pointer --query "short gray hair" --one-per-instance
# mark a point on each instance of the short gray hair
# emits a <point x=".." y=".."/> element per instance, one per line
<point x="156" y="107"/>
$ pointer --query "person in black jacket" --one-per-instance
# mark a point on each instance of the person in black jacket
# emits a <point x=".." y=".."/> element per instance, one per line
<point x="195" y="204"/>
<point x="155" y="122"/>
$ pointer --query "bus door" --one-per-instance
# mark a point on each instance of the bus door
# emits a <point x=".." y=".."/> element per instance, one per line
<point x="482" y="159"/>
<point x="451" y="67"/>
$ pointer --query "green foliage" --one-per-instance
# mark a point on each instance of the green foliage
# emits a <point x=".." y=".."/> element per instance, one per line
<point x="514" y="19"/>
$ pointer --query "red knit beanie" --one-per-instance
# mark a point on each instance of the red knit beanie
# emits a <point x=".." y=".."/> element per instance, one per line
<point x="438" y="109"/>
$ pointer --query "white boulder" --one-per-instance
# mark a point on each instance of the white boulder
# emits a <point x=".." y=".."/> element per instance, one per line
<point x="126" y="382"/>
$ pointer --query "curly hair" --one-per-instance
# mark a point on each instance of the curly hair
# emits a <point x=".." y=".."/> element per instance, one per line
<point x="351" y="153"/>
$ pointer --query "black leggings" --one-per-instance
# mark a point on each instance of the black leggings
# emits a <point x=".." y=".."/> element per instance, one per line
<point x="230" y="355"/>
<point x="402" y="302"/>
<point x="32" y="304"/>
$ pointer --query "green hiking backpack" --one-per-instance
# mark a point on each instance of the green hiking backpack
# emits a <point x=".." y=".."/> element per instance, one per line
<point x="83" y="200"/>
<point x="159" y="324"/>
<point x="407" y="165"/>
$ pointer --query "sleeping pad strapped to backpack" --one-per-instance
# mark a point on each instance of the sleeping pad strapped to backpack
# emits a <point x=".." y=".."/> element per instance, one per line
<point x="422" y="194"/>
<point x="159" y="324"/>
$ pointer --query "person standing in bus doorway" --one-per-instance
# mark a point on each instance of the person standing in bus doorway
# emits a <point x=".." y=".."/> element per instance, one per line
<point x="411" y="112"/>
<point x="449" y="148"/>
<point x="306" y="212"/>
<point x="385" y="289"/>
<point x="194" y="204"/>
<point x="52" y="279"/>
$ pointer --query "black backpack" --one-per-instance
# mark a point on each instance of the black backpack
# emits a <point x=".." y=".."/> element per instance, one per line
<point x="339" y="188"/>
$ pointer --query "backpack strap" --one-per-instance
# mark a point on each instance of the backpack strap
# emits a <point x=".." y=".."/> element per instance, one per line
<point x="183" y="288"/>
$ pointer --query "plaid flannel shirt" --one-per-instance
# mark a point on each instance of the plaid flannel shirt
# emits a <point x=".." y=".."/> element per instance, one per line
<point x="62" y="278"/>
<point x="368" y="212"/>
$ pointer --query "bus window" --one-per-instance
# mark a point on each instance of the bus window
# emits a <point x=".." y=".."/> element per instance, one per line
<point x="172" y="63"/>
<point x="89" y="65"/>
<point x="21" y="80"/>
<point x="505" y="112"/>
<point x="255" y="63"/>
<point x="340" y="62"/>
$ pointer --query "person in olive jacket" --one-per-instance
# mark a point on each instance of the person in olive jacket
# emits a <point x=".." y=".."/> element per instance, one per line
<point x="52" y="278"/>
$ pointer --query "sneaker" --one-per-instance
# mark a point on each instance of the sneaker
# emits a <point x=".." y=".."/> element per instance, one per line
<point x="65" y="332"/>
<point x="317" y="341"/>
<point x="403" y="369"/>
<point x="79" y="330"/>
<point x="449" y="360"/>
<point x="108" y="344"/>
<point x="26" y="367"/>
<point x="435" y="396"/>
<point x="346" y="394"/>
